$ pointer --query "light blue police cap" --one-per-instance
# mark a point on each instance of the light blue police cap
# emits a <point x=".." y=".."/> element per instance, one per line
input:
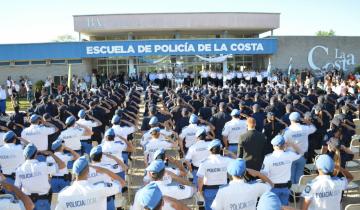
<point x="96" y="150"/>
<point x="325" y="163"/>
<point x="200" y="131"/>
<point x="153" y="121"/>
<point x="9" y="136"/>
<point x="294" y="116"/>
<point x="79" y="165"/>
<point x="150" y="196"/>
<point x="158" y="152"/>
<point x="29" y="150"/>
<point x="81" y="113"/>
<point x="156" y="166"/>
<point x="115" y="119"/>
<point x="34" y="117"/>
<point x="56" y="144"/>
<point x="235" y="112"/>
<point x="237" y="167"/>
<point x="278" y="140"/>
<point x="155" y="129"/>
<point x="110" y="132"/>
<point x="214" y="143"/>
<point x="70" y="120"/>
<point x="193" y="119"/>
<point x="269" y="201"/>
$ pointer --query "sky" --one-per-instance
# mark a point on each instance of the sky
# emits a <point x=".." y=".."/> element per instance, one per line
<point x="27" y="21"/>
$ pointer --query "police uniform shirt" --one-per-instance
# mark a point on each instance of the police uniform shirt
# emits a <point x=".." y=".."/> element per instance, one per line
<point x="83" y="195"/>
<point x="219" y="75"/>
<point x="213" y="75"/>
<point x="239" y="75"/>
<point x="277" y="166"/>
<point x="239" y="195"/>
<point x="11" y="157"/>
<point x="169" y="75"/>
<point x="72" y="137"/>
<point x="88" y="123"/>
<point x="325" y="192"/>
<point x="8" y="202"/>
<point x="214" y="170"/>
<point x="153" y="145"/>
<point x="33" y="177"/>
<point x="38" y="135"/>
<point x="147" y="137"/>
<point x="188" y="133"/>
<point x="123" y="131"/>
<point x="95" y="177"/>
<point x="298" y="134"/>
<point x="230" y="75"/>
<point x="234" y="129"/>
<point x="179" y="192"/>
<point x="204" y="74"/>
<point x="197" y="152"/>
<point x="259" y="77"/>
<point x="64" y="157"/>
<point x="161" y="76"/>
<point x="115" y="148"/>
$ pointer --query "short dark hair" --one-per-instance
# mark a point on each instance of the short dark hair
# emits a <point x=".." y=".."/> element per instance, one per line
<point x="157" y="176"/>
<point x="96" y="157"/>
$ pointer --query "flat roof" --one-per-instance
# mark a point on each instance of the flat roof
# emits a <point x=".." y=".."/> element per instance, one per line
<point x="153" y="23"/>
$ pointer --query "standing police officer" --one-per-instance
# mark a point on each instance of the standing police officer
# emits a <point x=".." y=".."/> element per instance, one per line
<point x="238" y="194"/>
<point x="233" y="130"/>
<point x="32" y="177"/>
<point x="325" y="191"/>
<point x="277" y="166"/>
<point x="212" y="173"/>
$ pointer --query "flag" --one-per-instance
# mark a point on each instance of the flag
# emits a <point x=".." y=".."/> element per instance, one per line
<point x="269" y="67"/>
<point x="69" y="77"/>
<point x="290" y="66"/>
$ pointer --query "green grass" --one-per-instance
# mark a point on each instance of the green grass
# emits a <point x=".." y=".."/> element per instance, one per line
<point x="23" y="103"/>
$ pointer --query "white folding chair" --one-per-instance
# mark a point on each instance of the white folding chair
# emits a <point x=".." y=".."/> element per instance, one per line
<point x="353" y="207"/>
<point x="298" y="188"/>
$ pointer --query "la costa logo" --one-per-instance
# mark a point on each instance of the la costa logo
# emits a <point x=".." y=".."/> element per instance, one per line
<point x="341" y="59"/>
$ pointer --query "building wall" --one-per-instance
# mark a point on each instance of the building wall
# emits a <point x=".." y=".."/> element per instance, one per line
<point x="341" y="52"/>
<point x="40" y="72"/>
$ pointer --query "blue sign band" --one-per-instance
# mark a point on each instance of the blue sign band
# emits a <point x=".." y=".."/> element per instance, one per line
<point x="94" y="49"/>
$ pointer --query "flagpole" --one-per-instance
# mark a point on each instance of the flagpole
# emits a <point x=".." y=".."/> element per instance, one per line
<point x="69" y="77"/>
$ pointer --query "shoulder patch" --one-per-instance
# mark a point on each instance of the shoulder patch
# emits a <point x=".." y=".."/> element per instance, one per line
<point x="307" y="189"/>
<point x="181" y="187"/>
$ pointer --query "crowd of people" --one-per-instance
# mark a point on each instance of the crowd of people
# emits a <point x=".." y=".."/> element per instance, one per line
<point x="242" y="143"/>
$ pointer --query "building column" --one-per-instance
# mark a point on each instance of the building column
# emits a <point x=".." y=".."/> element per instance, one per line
<point x="131" y="68"/>
<point x="224" y="63"/>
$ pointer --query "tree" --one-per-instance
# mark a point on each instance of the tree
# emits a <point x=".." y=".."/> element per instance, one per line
<point x="326" y="33"/>
<point x="65" y="38"/>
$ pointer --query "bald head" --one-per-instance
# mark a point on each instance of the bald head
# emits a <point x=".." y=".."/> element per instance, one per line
<point x="251" y="123"/>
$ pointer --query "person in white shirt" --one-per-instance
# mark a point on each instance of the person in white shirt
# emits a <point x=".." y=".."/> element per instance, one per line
<point x="115" y="146"/>
<point x="197" y="153"/>
<point x="204" y="77"/>
<point x="298" y="134"/>
<point x="164" y="134"/>
<point x="238" y="193"/>
<point x="83" y="195"/>
<point x="61" y="178"/>
<point x="32" y="177"/>
<point x="2" y="100"/>
<point x="277" y="166"/>
<point x="38" y="133"/>
<point x="233" y="130"/>
<point x="95" y="176"/>
<point x="86" y="141"/>
<point x="187" y="134"/>
<point x="11" y="156"/>
<point x="325" y="191"/>
<point x="212" y="173"/>
<point x="72" y="136"/>
<point x="154" y="144"/>
<point x="15" y="200"/>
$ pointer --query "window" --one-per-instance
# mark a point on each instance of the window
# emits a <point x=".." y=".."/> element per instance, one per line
<point x="57" y="61"/>
<point x="4" y="63"/>
<point x="20" y="63"/>
<point x="38" y="62"/>
<point x="75" y="61"/>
